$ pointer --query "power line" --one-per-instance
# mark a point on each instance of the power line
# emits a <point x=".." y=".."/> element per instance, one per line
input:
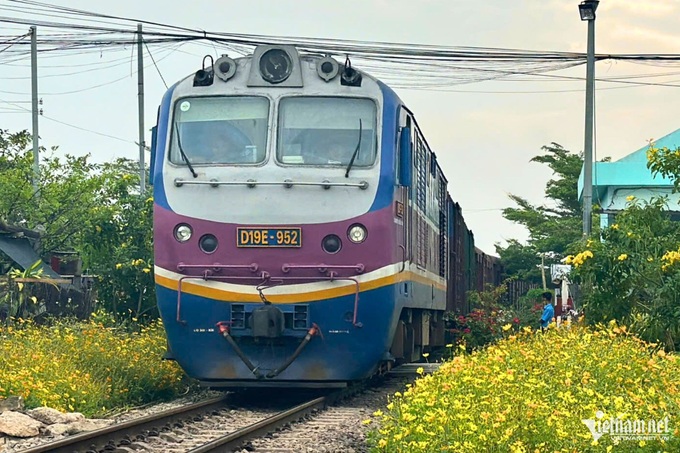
<point x="154" y="63"/>
<point x="68" y="124"/>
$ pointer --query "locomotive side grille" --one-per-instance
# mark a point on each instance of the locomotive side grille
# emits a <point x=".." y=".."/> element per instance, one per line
<point x="300" y="317"/>
<point x="238" y="316"/>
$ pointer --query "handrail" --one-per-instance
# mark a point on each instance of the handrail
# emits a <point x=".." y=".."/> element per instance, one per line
<point x="363" y="185"/>
<point x="360" y="267"/>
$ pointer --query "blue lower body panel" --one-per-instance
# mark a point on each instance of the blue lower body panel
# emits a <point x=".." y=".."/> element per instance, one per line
<point x="342" y="351"/>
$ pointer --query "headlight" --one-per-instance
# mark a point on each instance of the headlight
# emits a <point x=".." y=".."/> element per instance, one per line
<point x="275" y="65"/>
<point x="357" y="233"/>
<point x="208" y="243"/>
<point x="183" y="232"/>
<point x="331" y="244"/>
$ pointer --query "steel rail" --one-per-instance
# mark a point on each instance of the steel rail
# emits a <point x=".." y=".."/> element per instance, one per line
<point x="98" y="439"/>
<point x="233" y="440"/>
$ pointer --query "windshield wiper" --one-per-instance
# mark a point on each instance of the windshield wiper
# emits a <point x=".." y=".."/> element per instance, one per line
<point x="356" y="151"/>
<point x="182" y="153"/>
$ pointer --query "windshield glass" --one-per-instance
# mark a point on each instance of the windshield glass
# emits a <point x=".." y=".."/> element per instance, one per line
<point x="220" y="130"/>
<point x="325" y="131"/>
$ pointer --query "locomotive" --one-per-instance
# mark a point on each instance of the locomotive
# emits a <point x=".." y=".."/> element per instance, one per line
<point x="303" y="232"/>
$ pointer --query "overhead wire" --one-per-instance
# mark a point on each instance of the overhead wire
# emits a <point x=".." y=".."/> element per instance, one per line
<point x="102" y="134"/>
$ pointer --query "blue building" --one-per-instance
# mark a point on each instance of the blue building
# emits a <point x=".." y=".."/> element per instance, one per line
<point x="614" y="182"/>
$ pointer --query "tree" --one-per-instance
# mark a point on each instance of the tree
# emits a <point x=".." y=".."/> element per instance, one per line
<point x="552" y="228"/>
<point x="665" y="162"/>
<point x="633" y="274"/>
<point x="93" y="209"/>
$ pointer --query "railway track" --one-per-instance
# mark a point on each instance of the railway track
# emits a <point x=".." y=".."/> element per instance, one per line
<point x="209" y="426"/>
<point x="219" y="424"/>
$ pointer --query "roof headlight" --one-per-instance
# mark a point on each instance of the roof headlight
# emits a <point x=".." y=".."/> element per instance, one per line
<point x="357" y="233"/>
<point x="183" y="232"/>
<point x="275" y="65"/>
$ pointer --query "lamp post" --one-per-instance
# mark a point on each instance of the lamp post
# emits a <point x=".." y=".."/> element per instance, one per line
<point x="587" y="10"/>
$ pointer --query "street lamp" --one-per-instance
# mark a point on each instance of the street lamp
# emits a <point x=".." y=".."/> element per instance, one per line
<point x="587" y="10"/>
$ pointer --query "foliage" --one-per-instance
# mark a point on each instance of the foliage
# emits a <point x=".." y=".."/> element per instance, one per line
<point x="520" y="261"/>
<point x="94" y="209"/>
<point x="631" y="275"/>
<point x="490" y="319"/>
<point x="86" y="367"/>
<point x="665" y="162"/>
<point x="531" y="391"/>
<point x="120" y="245"/>
<point x="16" y="299"/>
<point x="552" y="228"/>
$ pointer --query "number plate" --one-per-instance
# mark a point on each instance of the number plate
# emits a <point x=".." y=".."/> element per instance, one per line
<point x="268" y="237"/>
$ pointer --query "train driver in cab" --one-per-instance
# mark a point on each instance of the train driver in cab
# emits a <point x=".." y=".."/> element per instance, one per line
<point x="227" y="145"/>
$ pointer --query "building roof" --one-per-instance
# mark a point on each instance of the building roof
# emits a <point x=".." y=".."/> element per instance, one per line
<point x="15" y="243"/>
<point x="630" y="175"/>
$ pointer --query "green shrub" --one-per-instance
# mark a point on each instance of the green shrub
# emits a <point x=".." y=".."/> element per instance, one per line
<point x="633" y="275"/>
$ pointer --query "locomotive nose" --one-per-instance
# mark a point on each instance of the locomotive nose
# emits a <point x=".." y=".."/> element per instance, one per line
<point x="267" y="321"/>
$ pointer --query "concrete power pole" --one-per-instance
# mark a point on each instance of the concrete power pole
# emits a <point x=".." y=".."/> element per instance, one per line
<point x="140" y="102"/>
<point x="34" y="107"/>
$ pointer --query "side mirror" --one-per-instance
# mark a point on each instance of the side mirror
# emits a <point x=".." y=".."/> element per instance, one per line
<point x="152" y="163"/>
<point x="405" y="162"/>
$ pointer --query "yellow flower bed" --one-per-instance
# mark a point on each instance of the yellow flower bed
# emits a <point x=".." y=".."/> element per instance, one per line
<point x="85" y="367"/>
<point x="530" y="392"/>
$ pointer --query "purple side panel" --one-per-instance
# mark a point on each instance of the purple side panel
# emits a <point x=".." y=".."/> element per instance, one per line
<point x="378" y="250"/>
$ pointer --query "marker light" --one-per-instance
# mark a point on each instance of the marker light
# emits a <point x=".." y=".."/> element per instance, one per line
<point x="208" y="243"/>
<point x="225" y="68"/>
<point x="331" y="244"/>
<point x="357" y="233"/>
<point x="183" y="232"/>
<point x="327" y="68"/>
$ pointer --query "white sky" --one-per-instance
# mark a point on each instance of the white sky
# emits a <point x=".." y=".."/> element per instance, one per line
<point x="483" y="135"/>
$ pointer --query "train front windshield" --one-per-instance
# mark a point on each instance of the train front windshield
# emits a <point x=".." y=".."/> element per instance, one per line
<point x="327" y="131"/>
<point x="220" y="130"/>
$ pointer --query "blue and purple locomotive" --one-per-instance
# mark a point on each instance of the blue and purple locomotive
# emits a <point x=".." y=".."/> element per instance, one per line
<point x="303" y="232"/>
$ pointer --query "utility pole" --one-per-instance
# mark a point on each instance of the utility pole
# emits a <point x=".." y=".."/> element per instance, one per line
<point x="34" y="107"/>
<point x="140" y="103"/>
<point x="587" y="10"/>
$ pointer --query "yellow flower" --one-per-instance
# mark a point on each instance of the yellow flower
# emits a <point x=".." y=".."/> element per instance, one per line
<point x="615" y="226"/>
<point x="630" y="197"/>
<point x="426" y="355"/>
<point x="623" y="257"/>
<point x="118" y="266"/>
<point x="507" y="327"/>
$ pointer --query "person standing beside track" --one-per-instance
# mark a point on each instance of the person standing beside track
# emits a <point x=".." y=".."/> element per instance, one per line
<point x="548" y="310"/>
